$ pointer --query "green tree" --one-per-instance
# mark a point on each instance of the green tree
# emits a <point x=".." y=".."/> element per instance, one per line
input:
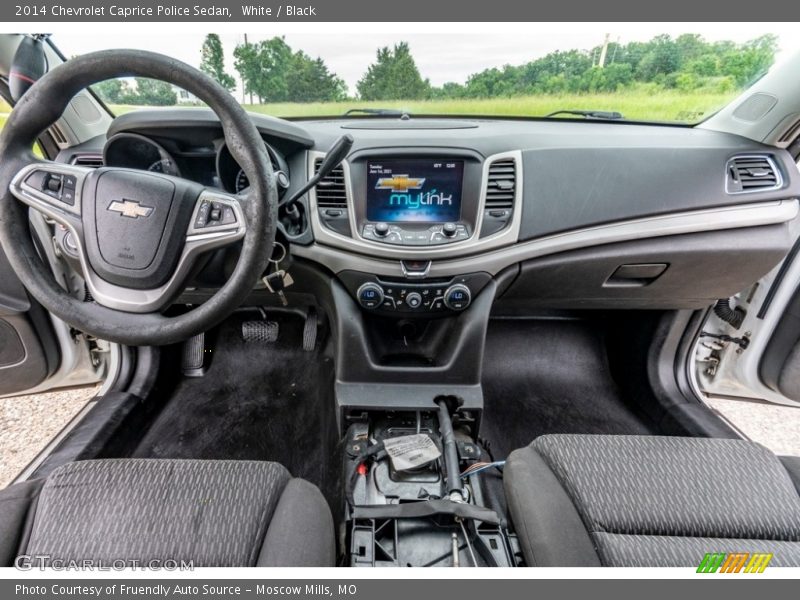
<point x="213" y="62"/>
<point x="273" y="72"/>
<point x="749" y="61"/>
<point x="393" y="76"/>
<point x="113" y="91"/>
<point x="247" y="65"/>
<point x="152" y="92"/>
<point x="275" y="62"/>
<point x="264" y="68"/>
<point x="309" y="80"/>
<point x="660" y="59"/>
<point x="686" y="63"/>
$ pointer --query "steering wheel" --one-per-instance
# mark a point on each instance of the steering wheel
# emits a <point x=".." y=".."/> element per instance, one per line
<point x="138" y="234"/>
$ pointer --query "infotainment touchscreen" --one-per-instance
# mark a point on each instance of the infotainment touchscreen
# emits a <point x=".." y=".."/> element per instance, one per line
<point x="421" y="190"/>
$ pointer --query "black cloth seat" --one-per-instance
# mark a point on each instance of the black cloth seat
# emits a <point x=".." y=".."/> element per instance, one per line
<point x="148" y="511"/>
<point x="644" y="501"/>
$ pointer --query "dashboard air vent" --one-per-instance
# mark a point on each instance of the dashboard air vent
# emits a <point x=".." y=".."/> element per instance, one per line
<point x="331" y="191"/>
<point x="58" y="136"/>
<point x="88" y="160"/>
<point x="752" y="174"/>
<point x="502" y="184"/>
<point x="791" y="134"/>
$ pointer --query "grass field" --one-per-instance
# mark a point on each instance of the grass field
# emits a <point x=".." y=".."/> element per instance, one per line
<point x="634" y="105"/>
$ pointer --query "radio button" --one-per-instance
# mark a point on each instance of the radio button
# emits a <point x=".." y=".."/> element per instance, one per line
<point x="449" y="229"/>
<point x="381" y="229"/>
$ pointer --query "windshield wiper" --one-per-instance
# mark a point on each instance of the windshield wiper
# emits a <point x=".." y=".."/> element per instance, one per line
<point x="589" y="114"/>
<point x="383" y="112"/>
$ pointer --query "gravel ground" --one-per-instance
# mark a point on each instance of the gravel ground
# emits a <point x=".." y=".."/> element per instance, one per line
<point x="28" y="423"/>
<point x="776" y="427"/>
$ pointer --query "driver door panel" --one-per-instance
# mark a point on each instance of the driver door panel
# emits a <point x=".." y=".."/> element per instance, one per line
<point x="28" y="353"/>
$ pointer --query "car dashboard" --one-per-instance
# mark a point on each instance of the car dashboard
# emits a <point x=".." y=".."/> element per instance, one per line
<point x="424" y="212"/>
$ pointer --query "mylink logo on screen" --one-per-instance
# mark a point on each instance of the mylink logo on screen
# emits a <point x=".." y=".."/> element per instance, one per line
<point x="402" y="186"/>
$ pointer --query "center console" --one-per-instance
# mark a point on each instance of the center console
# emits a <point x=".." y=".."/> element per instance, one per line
<point x="387" y="217"/>
<point x="409" y="346"/>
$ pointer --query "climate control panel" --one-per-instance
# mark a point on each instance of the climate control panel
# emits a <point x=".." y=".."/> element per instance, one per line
<point x="402" y="297"/>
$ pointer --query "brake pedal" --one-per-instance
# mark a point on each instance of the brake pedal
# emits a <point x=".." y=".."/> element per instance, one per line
<point x="193" y="356"/>
<point x="260" y="332"/>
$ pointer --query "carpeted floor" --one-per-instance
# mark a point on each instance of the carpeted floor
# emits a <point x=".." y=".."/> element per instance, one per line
<point x="258" y="401"/>
<point x="275" y="401"/>
<point x="549" y="376"/>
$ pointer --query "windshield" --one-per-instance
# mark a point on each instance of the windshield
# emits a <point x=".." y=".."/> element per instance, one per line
<point x="636" y="72"/>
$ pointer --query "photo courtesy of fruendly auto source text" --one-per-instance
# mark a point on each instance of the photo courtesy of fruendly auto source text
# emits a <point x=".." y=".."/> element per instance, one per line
<point x="394" y="300"/>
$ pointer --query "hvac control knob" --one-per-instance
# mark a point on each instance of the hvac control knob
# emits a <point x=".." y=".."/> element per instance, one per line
<point x="457" y="297"/>
<point x="370" y="295"/>
<point x="414" y="300"/>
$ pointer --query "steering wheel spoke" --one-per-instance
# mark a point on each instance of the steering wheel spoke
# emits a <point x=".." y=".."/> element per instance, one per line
<point x="53" y="189"/>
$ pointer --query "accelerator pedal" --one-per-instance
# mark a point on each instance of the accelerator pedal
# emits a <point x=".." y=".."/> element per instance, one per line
<point x="193" y="356"/>
<point x="310" y="330"/>
<point x="260" y="332"/>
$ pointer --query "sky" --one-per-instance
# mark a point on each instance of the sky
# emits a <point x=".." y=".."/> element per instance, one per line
<point x="444" y="51"/>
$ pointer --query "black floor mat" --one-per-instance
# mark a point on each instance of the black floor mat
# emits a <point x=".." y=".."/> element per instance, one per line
<point x="258" y="401"/>
<point x="549" y="376"/>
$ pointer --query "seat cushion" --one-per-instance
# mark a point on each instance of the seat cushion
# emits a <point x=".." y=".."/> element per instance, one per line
<point x="659" y="499"/>
<point x="213" y="513"/>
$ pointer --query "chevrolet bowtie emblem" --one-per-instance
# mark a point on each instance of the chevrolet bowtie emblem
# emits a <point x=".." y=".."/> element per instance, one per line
<point x="400" y="183"/>
<point x="129" y="208"/>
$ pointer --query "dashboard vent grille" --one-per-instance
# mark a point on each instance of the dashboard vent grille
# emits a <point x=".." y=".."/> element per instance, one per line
<point x="58" y="135"/>
<point x="752" y="174"/>
<point x="331" y="191"/>
<point x="502" y="184"/>
<point x="88" y="160"/>
<point x="790" y="135"/>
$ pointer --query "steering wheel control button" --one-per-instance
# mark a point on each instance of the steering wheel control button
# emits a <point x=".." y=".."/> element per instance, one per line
<point x="370" y="295"/>
<point x="457" y="297"/>
<point x="212" y="214"/>
<point x="202" y="214"/>
<point x="228" y="215"/>
<point x="53" y="184"/>
<point x="68" y="196"/>
<point x="414" y="300"/>
<point x="37" y="180"/>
